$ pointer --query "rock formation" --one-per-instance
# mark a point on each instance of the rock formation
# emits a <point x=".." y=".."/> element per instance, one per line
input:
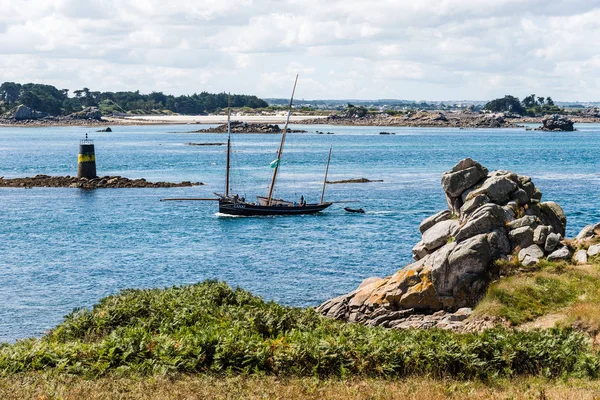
<point x="591" y="112"/>
<point x="26" y="116"/>
<point x="92" y="113"/>
<point x="84" y="183"/>
<point x="357" y="180"/>
<point x="557" y="123"/>
<point x="420" y="119"/>
<point x="586" y="244"/>
<point x="490" y="216"/>
<point x="245" y="127"/>
<point x="22" y="113"/>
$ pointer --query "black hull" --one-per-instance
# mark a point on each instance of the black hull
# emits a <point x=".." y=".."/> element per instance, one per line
<point x="354" y="210"/>
<point x="246" y="209"/>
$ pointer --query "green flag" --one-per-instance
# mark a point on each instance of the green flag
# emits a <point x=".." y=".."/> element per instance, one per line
<point x="275" y="163"/>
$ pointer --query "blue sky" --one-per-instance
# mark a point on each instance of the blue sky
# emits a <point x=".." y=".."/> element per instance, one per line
<point x="431" y="50"/>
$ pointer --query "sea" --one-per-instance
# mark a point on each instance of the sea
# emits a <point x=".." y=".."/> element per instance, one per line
<point x="66" y="248"/>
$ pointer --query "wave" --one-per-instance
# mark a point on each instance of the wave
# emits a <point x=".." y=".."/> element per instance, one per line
<point x="567" y="176"/>
<point x="222" y="215"/>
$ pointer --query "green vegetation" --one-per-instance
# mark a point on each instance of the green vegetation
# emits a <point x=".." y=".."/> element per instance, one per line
<point x="540" y="105"/>
<point x="48" y="99"/>
<point x="507" y="103"/>
<point x="522" y="299"/>
<point x="211" y="328"/>
<point x="571" y="293"/>
<point x="531" y="105"/>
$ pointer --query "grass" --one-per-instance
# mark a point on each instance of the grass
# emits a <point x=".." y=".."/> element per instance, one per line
<point x="48" y="386"/>
<point x="525" y="294"/>
<point x="521" y="299"/>
<point x="209" y="328"/>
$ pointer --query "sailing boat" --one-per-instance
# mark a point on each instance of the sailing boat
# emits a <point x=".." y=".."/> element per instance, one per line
<point x="267" y="205"/>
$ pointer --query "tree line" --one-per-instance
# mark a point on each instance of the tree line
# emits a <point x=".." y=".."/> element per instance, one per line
<point x="49" y="99"/>
<point x="531" y="105"/>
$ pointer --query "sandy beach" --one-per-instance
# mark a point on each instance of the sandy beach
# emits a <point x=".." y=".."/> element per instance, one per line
<point x="212" y="119"/>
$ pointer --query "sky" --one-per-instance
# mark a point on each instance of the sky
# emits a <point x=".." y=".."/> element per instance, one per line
<point x="417" y="49"/>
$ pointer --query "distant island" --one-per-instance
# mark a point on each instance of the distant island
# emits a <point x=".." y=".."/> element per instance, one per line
<point x="34" y="104"/>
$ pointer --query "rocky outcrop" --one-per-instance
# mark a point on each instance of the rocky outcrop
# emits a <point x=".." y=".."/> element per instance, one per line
<point x="355" y="180"/>
<point x="490" y="216"/>
<point x="420" y="119"/>
<point x="50" y="120"/>
<point x="490" y="121"/>
<point x="107" y="129"/>
<point x="440" y="117"/>
<point x="410" y="318"/>
<point x="589" y="232"/>
<point x="557" y="123"/>
<point x="591" y="112"/>
<point x="25" y="116"/>
<point x="92" y="113"/>
<point x="587" y="243"/>
<point x="84" y="183"/>
<point x="245" y="127"/>
<point x="23" y="113"/>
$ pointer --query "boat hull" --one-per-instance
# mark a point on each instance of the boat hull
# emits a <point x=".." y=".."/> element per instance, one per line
<point x="354" y="210"/>
<point x="247" y="209"/>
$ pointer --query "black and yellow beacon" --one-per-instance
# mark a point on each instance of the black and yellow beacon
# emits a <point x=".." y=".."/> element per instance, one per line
<point x="86" y="159"/>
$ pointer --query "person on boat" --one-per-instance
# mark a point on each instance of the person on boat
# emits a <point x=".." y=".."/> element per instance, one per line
<point x="302" y="202"/>
<point x="243" y="199"/>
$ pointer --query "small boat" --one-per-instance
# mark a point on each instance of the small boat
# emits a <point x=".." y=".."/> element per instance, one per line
<point x="354" y="210"/>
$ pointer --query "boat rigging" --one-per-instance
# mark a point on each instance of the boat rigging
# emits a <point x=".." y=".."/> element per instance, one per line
<point x="266" y="205"/>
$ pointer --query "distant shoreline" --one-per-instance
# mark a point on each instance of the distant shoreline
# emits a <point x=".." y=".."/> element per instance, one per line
<point x="421" y="119"/>
<point x="160" y="120"/>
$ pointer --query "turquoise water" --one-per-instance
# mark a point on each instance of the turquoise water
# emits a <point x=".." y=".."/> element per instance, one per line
<point x="65" y="248"/>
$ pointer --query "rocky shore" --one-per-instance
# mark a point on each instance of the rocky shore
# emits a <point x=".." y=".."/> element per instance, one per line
<point x="492" y="217"/>
<point x="357" y="180"/>
<point x="589" y="115"/>
<point x="462" y="119"/>
<point x="104" y="182"/>
<point x="204" y="144"/>
<point x="245" y="127"/>
<point x="557" y="123"/>
<point x="25" y="116"/>
<point x="465" y="119"/>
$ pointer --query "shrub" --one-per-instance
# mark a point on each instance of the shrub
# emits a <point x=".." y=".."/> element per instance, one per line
<point x="209" y="327"/>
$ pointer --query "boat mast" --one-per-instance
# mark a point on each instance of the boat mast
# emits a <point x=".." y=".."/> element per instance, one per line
<point x="326" y="172"/>
<point x="278" y="160"/>
<point x="228" y="144"/>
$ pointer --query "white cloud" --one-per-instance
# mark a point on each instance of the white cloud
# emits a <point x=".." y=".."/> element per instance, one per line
<point x="427" y="49"/>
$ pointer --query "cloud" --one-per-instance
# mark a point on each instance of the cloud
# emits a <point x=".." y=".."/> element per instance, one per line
<point x="427" y="49"/>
